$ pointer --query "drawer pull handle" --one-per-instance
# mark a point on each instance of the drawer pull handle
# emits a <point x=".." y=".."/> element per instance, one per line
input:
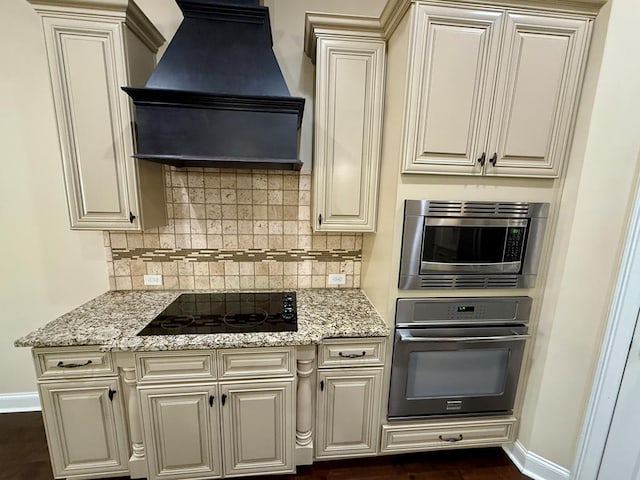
<point x="451" y="440"/>
<point x="223" y="399"/>
<point x="211" y="400"/>
<point x="351" y="355"/>
<point x="61" y="364"/>
<point x="111" y="394"/>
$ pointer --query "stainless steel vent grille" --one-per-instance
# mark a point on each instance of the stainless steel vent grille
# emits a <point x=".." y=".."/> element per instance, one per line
<point x="508" y="209"/>
<point x="503" y="281"/>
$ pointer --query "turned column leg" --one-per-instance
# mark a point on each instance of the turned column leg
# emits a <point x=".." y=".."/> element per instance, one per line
<point x="137" y="462"/>
<point x="304" y="407"/>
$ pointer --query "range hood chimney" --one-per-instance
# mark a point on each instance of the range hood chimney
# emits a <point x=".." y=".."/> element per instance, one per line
<point x="218" y="98"/>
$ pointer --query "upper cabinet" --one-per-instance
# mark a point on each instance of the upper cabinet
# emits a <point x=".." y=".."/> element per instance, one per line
<point x="350" y="68"/>
<point x="491" y="91"/>
<point x="94" y="48"/>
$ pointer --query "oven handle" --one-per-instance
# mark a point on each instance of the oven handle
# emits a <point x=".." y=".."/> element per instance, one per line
<point x="407" y="337"/>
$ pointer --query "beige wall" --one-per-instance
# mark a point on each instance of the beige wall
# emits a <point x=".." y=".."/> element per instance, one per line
<point x="47" y="269"/>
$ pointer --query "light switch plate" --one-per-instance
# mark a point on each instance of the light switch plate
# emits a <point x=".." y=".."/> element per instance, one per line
<point x="336" y="279"/>
<point x="153" y="279"/>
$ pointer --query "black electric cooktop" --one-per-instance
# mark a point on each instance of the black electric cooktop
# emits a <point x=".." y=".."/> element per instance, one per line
<point x="201" y="313"/>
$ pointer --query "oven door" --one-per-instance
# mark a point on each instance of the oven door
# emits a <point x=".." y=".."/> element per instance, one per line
<point x="472" y="245"/>
<point x="455" y="371"/>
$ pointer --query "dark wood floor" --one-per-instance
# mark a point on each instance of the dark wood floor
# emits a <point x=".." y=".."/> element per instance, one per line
<point x="24" y="455"/>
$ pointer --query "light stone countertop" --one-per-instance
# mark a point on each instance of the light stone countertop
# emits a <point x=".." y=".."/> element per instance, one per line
<point x="112" y="320"/>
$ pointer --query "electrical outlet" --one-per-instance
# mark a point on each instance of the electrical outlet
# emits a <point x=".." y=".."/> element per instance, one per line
<point x="336" y="279"/>
<point x="153" y="279"/>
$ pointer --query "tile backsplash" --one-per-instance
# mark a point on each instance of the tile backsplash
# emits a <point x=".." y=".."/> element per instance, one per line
<point x="234" y="229"/>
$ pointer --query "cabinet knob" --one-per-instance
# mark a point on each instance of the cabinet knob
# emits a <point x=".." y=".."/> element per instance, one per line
<point x="320" y="219"/>
<point x="132" y="217"/>
<point x="482" y="158"/>
<point x="322" y="385"/>
<point x="111" y="394"/>
<point x="211" y="400"/>
<point x="223" y="399"/>
<point x="494" y="159"/>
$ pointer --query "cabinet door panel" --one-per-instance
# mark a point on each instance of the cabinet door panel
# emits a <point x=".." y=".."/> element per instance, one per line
<point x="348" y="412"/>
<point x="258" y="427"/>
<point x="451" y="81"/>
<point x="349" y="98"/>
<point x="536" y="96"/>
<point x="85" y="428"/>
<point x="182" y="432"/>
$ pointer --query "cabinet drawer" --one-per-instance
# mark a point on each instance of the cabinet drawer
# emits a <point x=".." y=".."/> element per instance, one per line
<point x="172" y="366"/>
<point x="351" y="352"/>
<point x="256" y="362"/>
<point x="72" y="362"/>
<point x="442" y="435"/>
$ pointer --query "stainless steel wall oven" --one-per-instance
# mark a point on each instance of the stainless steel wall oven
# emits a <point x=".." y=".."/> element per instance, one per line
<point x="457" y="356"/>
<point x="447" y="244"/>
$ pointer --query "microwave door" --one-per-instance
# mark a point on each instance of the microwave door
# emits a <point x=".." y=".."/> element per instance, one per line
<point x="464" y="245"/>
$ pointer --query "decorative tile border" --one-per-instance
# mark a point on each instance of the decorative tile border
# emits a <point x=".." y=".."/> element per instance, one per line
<point x="250" y="255"/>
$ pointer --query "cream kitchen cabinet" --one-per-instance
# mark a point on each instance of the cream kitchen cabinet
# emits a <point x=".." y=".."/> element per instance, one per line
<point x="492" y="91"/>
<point x="350" y="69"/>
<point x="207" y="414"/>
<point x="348" y="397"/>
<point x="93" y="49"/>
<point x="83" y="413"/>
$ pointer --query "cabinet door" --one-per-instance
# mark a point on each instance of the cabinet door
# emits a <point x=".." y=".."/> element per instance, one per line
<point x="258" y="427"/>
<point x="85" y="427"/>
<point x="348" y="419"/>
<point x="452" y="72"/>
<point x="181" y="431"/>
<point x="348" y="129"/>
<point x="537" y="92"/>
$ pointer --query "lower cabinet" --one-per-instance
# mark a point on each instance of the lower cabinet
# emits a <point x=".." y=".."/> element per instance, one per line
<point x="86" y="432"/>
<point x="182" y="431"/>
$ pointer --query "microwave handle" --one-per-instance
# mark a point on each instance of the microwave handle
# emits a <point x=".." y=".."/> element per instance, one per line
<point x="407" y="337"/>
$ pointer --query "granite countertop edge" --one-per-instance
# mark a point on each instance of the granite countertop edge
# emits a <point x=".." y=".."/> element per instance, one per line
<point x="111" y="321"/>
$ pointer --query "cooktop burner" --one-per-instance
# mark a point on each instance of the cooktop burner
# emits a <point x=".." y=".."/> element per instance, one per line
<point x="200" y="313"/>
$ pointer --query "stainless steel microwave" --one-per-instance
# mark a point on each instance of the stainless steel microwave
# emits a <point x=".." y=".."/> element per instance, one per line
<point x="450" y="244"/>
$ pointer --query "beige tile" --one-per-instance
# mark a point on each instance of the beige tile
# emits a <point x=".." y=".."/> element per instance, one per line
<point x="356" y="268"/>
<point x="275" y="212"/>
<point x="276" y="268"/>
<point x="229" y="212"/>
<point x="170" y="207"/>
<point x="247" y="282"/>
<point x="123" y="283"/>
<point x="108" y="254"/>
<point x="305" y="182"/>
<point x="134" y="240"/>
<point x="168" y="195"/>
<point x="304" y="281"/>
<point x="214" y="226"/>
<point x="274" y="181"/>
<point x="262" y="268"/>
<point x="347" y="267"/>
<point x="217" y="282"/>
<point x="245" y="212"/>
<point x="167" y="240"/>
<point x="305" y="268"/>
<point x="304" y="198"/>
<point x="168" y="228"/>
<point x="170" y="282"/>
<point x="276" y="282"/>
<point x="232" y="281"/>
<point x="274" y="197"/>
<point x="318" y="281"/>
<point x="216" y="269"/>
<point x="276" y="242"/>
<point x="112" y="283"/>
<point x="260" y="212"/>
<point x="151" y="240"/>
<point x="201" y="282"/>
<point x="290" y="282"/>
<point x="214" y="241"/>
<point x="290" y="213"/>
<point x="170" y="269"/>
<point x="347" y="242"/>
<point x="110" y="270"/>
<point x="358" y="245"/>
<point x="198" y="212"/>
<point x="198" y="226"/>
<point x="304" y="242"/>
<point x="180" y="194"/>
<point x="185" y="268"/>
<point x="245" y="227"/>
<point x="261" y="281"/>
<point x="228" y="196"/>
<point x="211" y="180"/>
<point x="304" y="227"/>
<point x="289" y="268"/>
<point x="213" y="211"/>
<point x="229" y="227"/>
<point x="138" y="268"/>
<point x="244" y="181"/>
<point x="230" y="242"/>
<point x="304" y="212"/>
<point x="290" y="182"/>
<point x="195" y="179"/>
<point x="261" y="241"/>
<point x="212" y="196"/>
<point x="179" y="178"/>
<point x="290" y="227"/>
<point x="260" y="227"/>
<point x="245" y="197"/>
<point x="187" y="283"/>
<point x="122" y="267"/>
<point x="154" y="268"/>
<point x="333" y="242"/>
<point x="228" y="180"/>
<point x="167" y="176"/>
<point x="289" y="242"/>
<point x="259" y="197"/>
<point x="332" y="267"/>
<point x="183" y="225"/>
<point x="196" y="195"/>
<point x="276" y="227"/>
<point x="290" y="197"/>
<point x="137" y="283"/>
<point x="349" y="279"/>
<point x="245" y="241"/>
<point x="259" y="182"/>
<point x="106" y="239"/>
<point x="200" y="268"/>
<point x="183" y="240"/>
<point x="231" y="268"/>
<point x="318" y="268"/>
<point x="319" y="241"/>
<point x="118" y="240"/>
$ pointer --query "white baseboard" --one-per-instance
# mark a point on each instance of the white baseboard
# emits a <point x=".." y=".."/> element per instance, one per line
<point x="533" y="465"/>
<point x="19" y="402"/>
